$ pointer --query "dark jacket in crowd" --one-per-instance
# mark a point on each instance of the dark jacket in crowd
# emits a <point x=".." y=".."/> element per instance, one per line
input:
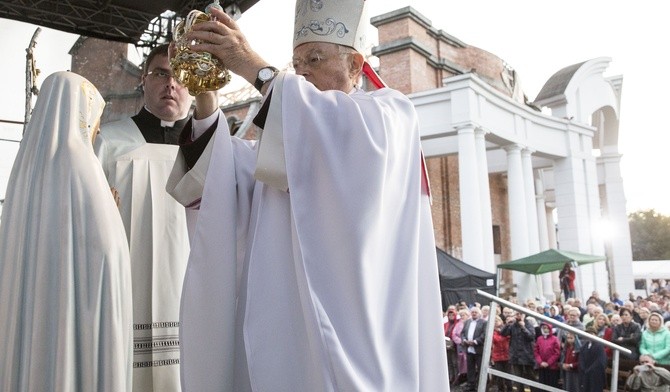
<point x="631" y="335"/>
<point x="592" y="365"/>
<point x="521" y="343"/>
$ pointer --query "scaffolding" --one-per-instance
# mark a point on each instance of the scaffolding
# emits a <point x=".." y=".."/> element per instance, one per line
<point x="141" y="23"/>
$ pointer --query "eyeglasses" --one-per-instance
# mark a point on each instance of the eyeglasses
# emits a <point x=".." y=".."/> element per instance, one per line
<point x="160" y="74"/>
<point x="314" y="60"/>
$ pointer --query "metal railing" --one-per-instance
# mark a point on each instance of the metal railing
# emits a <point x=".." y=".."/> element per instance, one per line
<point x="485" y="370"/>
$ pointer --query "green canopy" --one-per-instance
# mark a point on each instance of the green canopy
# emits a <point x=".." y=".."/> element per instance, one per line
<point x="548" y="261"/>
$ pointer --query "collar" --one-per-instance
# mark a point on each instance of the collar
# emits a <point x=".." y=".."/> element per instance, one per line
<point x="156" y="131"/>
<point x="147" y="118"/>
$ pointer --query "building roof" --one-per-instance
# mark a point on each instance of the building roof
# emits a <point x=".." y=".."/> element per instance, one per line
<point x="557" y="83"/>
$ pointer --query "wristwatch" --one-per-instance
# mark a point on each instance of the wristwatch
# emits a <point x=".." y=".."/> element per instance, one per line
<point x="265" y="75"/>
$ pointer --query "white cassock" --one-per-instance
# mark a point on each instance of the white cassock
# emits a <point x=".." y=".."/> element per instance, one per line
<point x="331" y="287"/>
<point x="159" y="247"/>
<point x="66" y="301"/>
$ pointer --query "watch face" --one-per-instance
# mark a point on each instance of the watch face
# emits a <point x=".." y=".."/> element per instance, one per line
<point x="265" y="74"/>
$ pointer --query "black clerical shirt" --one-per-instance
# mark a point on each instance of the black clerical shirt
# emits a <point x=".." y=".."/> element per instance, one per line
<point x="153" y="132"/>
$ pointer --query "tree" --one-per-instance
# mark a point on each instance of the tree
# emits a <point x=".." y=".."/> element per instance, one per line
<point x="650" y="235"/>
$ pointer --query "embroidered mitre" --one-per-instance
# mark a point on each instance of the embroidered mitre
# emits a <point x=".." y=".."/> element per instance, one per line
<point x="342" y="22"/>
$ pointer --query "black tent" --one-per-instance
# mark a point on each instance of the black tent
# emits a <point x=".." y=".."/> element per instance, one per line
<point x="459" y="281"/>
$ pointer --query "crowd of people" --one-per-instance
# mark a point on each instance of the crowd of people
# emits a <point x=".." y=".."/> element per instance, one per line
<point x="533" y="349"/>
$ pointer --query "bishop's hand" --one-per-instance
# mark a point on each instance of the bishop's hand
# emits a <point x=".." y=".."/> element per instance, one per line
<point x="224" y="39"/>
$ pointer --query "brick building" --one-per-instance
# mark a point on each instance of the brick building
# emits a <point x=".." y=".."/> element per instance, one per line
<point x="106" y="65"/>
<point x="507" y="180"/>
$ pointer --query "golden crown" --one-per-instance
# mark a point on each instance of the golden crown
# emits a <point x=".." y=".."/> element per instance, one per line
<point x="198" y="71"/>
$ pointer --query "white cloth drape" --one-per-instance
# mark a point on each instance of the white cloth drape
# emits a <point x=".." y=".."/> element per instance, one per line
<point x="65" y="293"/>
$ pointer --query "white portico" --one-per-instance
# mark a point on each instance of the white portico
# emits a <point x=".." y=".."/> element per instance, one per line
<point x="567" y="161"/>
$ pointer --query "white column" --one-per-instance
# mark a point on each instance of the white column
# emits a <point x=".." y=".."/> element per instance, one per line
<point x="571" y="205"/>
<point x="485" y="200"/>
<point x="541" y="210"/>
<point x="471" y="217"/>
<point x="572" y="208"/>
<point x="531" y="213"/>
<point x="600" y="278"/>
<point x="620" y="253"/>
<point x="518" y="221"/>
<point x="551" y="234"/>
<point x="543" y="234"/>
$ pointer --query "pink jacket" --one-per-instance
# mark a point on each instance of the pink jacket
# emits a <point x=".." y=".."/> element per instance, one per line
<point x="456" y="335"/>
<point x="547" y="349"/>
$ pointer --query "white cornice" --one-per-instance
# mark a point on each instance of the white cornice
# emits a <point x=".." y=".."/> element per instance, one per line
<point x="467" y="101"/>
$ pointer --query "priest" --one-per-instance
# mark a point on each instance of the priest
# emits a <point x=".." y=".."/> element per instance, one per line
<point x="313" y="262"/>
<point x="137" y="154"/>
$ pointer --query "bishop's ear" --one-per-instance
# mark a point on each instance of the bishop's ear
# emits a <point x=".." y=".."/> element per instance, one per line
<point x="356" y="61"/>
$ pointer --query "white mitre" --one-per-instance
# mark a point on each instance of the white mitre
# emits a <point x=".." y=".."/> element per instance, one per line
<point x="342" y="22"/>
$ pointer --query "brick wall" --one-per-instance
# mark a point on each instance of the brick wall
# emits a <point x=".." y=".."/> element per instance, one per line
<point x="106" y="65"/>
<point x="499" y="211"/>
<point x="446" y="208"/>
<point x="415" y="56"/>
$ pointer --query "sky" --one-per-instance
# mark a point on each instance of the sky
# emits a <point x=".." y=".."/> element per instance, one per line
<point x="537" y="38"/>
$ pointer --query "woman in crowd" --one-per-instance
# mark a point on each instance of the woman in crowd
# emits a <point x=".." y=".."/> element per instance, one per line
<point x="642" y="316"/>
<point x="500" y="357"/>
<point x="604" y="331"/>
<point x="627" y="334"/>
<point x="570" y="363"/>
<point x="547" y="354"/>
<point x="656" y="340"/>
<point x="461" y="355"/>
<point x="452" y="355"/>
<point x="567" y="278"/>
<point x="555" y="313"/>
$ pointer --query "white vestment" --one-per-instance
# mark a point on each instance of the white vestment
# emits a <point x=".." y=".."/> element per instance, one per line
<point x="65" y="293"/>
<point x="332" y="286"/>
<point x="156" y="227"/>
